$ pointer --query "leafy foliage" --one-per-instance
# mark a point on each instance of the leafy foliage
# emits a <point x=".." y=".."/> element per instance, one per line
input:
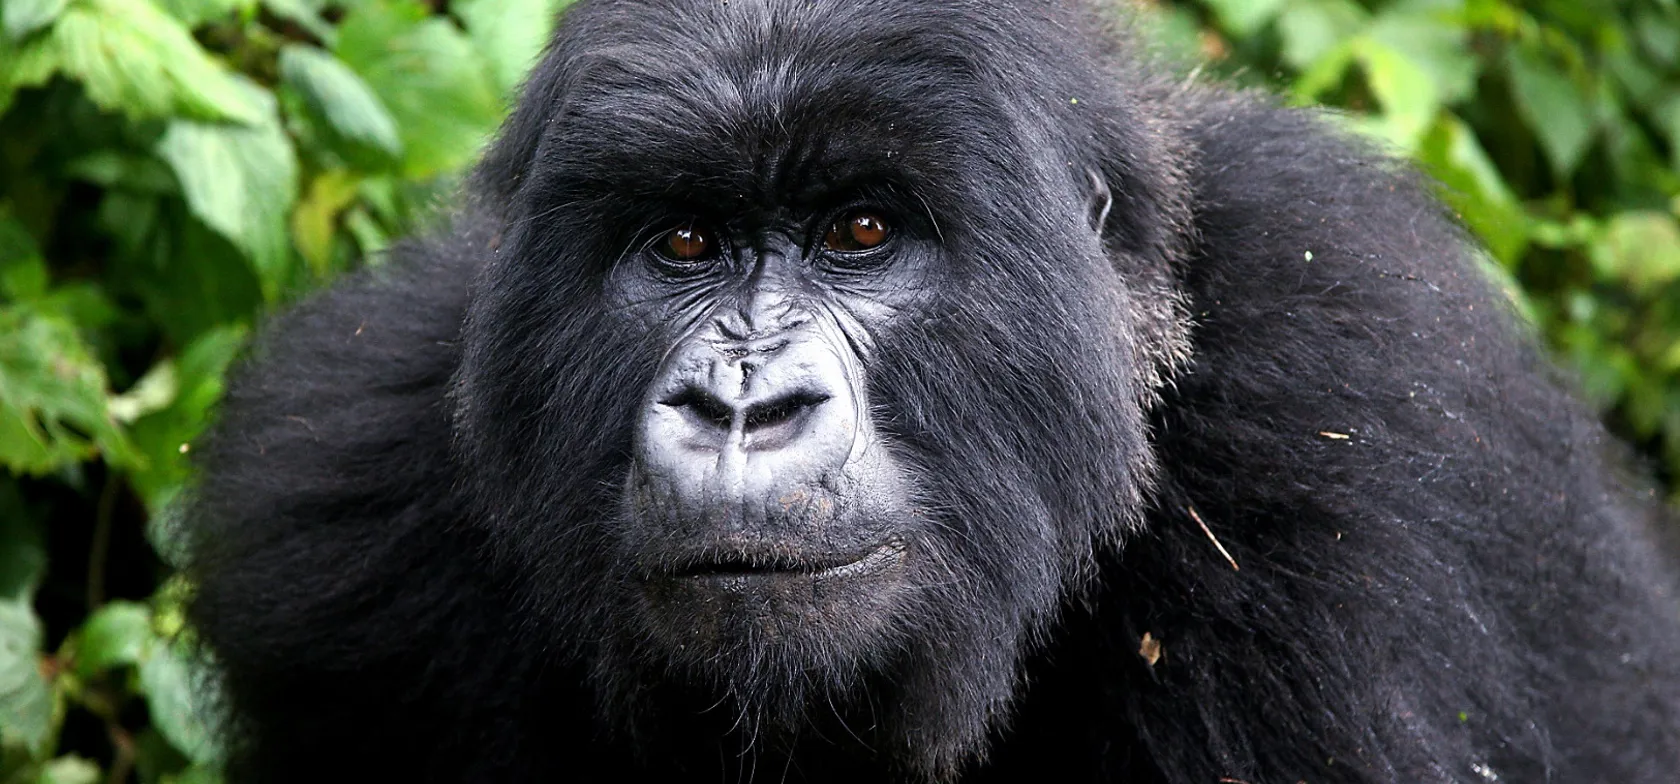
<point x="171" y="169"/>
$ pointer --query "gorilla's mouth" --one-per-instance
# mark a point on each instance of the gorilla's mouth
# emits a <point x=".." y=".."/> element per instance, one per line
<point x="718" y="565"/>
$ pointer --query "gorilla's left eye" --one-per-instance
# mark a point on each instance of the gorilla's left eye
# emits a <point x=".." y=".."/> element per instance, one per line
<point x="687" y="243"/>
<point x="858" y="231"/>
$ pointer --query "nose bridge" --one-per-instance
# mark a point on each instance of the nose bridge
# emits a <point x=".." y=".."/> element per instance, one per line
<point x="768" y="302"/>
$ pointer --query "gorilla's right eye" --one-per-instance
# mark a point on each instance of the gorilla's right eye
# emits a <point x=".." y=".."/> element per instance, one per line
<point x="686" y="245"/>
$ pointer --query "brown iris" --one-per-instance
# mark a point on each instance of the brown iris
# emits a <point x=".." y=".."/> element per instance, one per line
<point x="858" y="231"/>
<point x="688" y="242"/>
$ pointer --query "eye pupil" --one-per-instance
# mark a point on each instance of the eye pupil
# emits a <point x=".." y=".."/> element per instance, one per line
<point x="860" y="231"/>
<point x="686" y="243"/>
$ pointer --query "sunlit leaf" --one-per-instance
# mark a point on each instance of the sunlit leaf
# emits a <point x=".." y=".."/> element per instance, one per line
<point x="340" y="102"/>
<point x="133" y="58"/>
<point x="196" y="12"/>
<point x="117" y="635"/>
<point x="1309" y="30"/>
<point x="52" y="396"/>
<point x="509" y="33"/>
<point x="20" y="18"/>
<point x="70" y="770"/>
<point x="177" y="694"/>
<point x="1410" y="99"/>
<point x="436" y="85"/>
<point x="240" y="181"/>
<point x="1555" y="108"/>
<point x="1243" y="17"/>
<point x="25" y="698"/>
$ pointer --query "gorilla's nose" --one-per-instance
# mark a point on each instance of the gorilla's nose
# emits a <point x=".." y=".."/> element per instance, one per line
<point x="768" y="424"/>
<point x="733" y="422"/>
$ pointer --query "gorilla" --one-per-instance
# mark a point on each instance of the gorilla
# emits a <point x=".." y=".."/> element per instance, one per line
<point x="923" y="391"/>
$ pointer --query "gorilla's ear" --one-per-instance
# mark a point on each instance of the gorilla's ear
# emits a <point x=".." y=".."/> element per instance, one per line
<point x="1099" y="202"/>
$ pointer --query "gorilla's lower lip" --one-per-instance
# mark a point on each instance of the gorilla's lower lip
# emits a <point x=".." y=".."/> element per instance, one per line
<point x="822" y="566"/>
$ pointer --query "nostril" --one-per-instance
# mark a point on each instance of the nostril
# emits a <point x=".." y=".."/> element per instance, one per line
<point x="781" y="410"/>
<point x="702" y="406"/>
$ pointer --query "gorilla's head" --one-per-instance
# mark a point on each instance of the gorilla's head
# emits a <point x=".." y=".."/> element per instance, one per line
<point x="814" y="354"/>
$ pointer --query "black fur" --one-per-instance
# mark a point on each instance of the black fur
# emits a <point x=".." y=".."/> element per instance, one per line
<point x="1420" y="562"/>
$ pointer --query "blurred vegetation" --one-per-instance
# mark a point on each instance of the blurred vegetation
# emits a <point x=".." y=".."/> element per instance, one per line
<point x="171" y="169"/>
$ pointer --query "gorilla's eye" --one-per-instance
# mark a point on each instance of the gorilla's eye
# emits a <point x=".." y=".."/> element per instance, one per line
<point x="686" y="244"/>
<point x="855" y="232"/>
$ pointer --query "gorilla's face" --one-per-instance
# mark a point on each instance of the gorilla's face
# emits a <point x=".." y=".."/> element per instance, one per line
<point x="767" y="507"/>
<point x="804" y="370"/>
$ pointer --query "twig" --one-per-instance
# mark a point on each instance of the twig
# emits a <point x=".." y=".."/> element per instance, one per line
<point x="1212" y="538"/>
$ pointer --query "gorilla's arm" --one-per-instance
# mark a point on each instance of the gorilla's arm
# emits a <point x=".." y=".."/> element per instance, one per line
<point x="1419" y="515"/>
<point x="336" y="582"/>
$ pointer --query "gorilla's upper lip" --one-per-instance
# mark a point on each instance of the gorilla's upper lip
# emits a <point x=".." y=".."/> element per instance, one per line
<point x="767" y="562"/>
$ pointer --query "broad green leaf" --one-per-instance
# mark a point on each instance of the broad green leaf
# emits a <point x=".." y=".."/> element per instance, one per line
<point x="111" y="168"/>
<point x="1242" y="18"/>
<point x="189" y="277"/>
<point x="20" y="18"/>
<point x="240" y="181"/>
<point x="133" y="58"/>
<point x="70" y="770"/>
<point x="1554" y="107"/>
<point x="509" y="33"/>
<point x="193" y="13"/>
<point x="26" y="703"/>
<point x="1310" y="30"/>
<point x="342" y="104"/>
<point x="436" y="85"/>
<point x="52" y="396"/>
<point x="153" y="392"/>
<point x="117" y="635"/>
<point x="165" y="437"/>
<point x="177" y="692"/>
<point x="315" y="222"/>
<point x="23" y="274"/>
<point x="1409" y="97"/>
<point x="1436" y="44"/>
<point x="1475" y="187"/>
<point x="1640" y="248"/>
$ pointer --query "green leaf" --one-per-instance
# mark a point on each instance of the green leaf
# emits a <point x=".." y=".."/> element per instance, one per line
<point x="1555" y="108"/>
<point x="23" y="274"/>
<point x="178" y="695"/>
<point x="1475" y="187"/>
<point x="52" y="396"/>
<point x="165" y="437"/>
<point x="133" y="58"/>
<point x="196" y="12"/>
<point x="1310" y="30"/>
<point x="1242" y="18"/>
<point x="509" y="33"/>
<point x="70" y="770"/>
<point x="153" y="392"/>
<point x="117" y="635"/>
<point x="241" y="182"/>
<point x="1640" y="248"/>
<point x="26" y="703"/>
<point x="357" y="122"/>
<point x="1409" y="97"/>
<point x="20" y="18"/>
<point x="1436" y="44"/>
<point x="436" y="85"/>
